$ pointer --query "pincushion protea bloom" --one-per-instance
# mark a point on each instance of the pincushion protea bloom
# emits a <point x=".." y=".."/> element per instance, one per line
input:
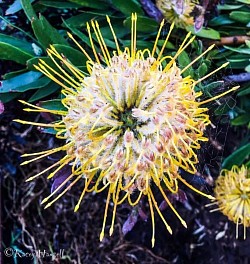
<point x="177" y="11"/>
<point x="232" y="193"/>
<point x="129" y="124"/>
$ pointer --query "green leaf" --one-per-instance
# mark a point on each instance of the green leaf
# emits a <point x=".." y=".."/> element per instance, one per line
<point x="202" y="70"/>
<point x="15" y="84"/>
<point x="128" y="7"/>
<point x="34" y="61"/>
<point x="15" y="49"/>
<point x="7" y="97"/>
<point x="239" y="50"/>
<point x="244" y="91"/>
<point x="45" y="91"/>
<point x="244" y="1"/>
<point x="10" y="75"/>
<point x="248" y="43"/>
<point x="238" y="64"/>
<point x="241" y="120"/>
<point x="220" y="20"/>
<point x="28" y="9"/>
<point x="45" y="33"/>
<point x="40" y="83"/>
<point x="55" y="104"/>
<point x="247" y="69"/>
<point x="237" y="157"/>
<point x="79" y="20"/>
<point x="49" y="130"/>
<point x="97" y="4"/>
<point x="240" y="16"/>
<point x="144" y="24"/>
<point x="228" y="7"/>
<point x="205" y="32"/>
<point x="78" y="33"/>
<point x="183" y="61"/>
<point x="59" y="4"/>
<point x="76" y="57"/>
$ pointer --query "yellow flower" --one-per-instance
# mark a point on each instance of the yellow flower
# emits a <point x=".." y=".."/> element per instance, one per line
<point x="232" y="193"/>
<point x="177" y="11"/>
<point x="129" y="124"/>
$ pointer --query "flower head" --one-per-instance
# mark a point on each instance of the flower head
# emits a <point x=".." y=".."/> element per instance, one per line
<point x="129" y="124"/>
<point x="232" y="193"/>
<point x="177" y="11"/>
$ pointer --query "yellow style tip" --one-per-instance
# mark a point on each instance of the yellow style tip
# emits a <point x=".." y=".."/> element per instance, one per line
<point x="29" y="179"/>
<point x="48" y="205"/>
<point x="210" y="197"/>
<point x="76" y="208"/>
<point x="225" y="64"/>
<point x="169" y="230"/>
<point x="51" y="175"/>
<point x="45" y="200"/>
<point x="24" y="163"/>
<point x="18" y="121"/>
<point x="184" y="223"/>
<point x="101" y="236"/>
<point x="211" y="47"/>
<point x="153" y="242"/>
<point x="111" y="230"/>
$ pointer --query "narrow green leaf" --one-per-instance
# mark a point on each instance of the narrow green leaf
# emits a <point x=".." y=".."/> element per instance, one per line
<point x="59" y="4"/>
<point x="239" y="50"/>
<point x="14" y="84"/>
<point x="18" y="43"/>
<point x="55" y="104"/>
<point x="205" y="32"/>
<point x="34" y="61"/>
<point x="97" y="4"/>
<point x="49" y="130"/>
<point x="7" y="97"/>
<point x="76" y="57"/>
<point x="247" y="69"/>
<point x="28" y="9"/>
<point x="144" y="24"/>
<point x="202" y="70"/>
<point x="237" y="157"/>
<point x="45" y="91"/>
<point x="183" y="61"/>
<point x="244" y="91"/>
<point x="127" y="7"/>
<point x="9" y="52"/>
<point x="240" y="16"/>
<point x="220" y="20"/>
<point x="228" y="7"/>
<point x="78" y="33"/>
<point x="40" y="83"/>
<point x="10" y="75"/>
<point x="45" y="33"/>
<point x="241" y="120"/>
<point x="244" y="1"/>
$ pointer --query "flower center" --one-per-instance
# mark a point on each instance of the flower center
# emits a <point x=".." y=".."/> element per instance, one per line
<point x="129" y="122"/>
